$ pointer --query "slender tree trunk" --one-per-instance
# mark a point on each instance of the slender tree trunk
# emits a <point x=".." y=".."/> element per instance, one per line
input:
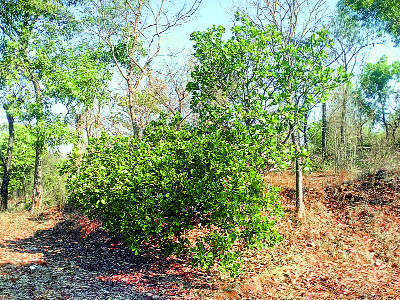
<point x="324" y="154"/>
<point x="24" y="187"/>
<point x="134" y="123"/>
<point x="384" y="120"/>
<point x="361" y="138"/>
<point x="97" y="122"/>
<point x="37" y="179"/>
<point x="394" y="129"/>
<point x="7" y="162"/>
<point x="344" y="113"/>
<point x="305" y="137"/>
<point x="79" y="124"/>
<point x="299" y="178"/>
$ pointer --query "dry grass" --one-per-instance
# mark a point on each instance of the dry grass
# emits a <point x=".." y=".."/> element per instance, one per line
<point x="346" y="247"/>
<point x="346" y="252"/>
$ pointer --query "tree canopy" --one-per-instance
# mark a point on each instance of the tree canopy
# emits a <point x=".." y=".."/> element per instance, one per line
<point x="35" y="48"/>
<point x="377" y="82"/>
<point x="384" y="14"/>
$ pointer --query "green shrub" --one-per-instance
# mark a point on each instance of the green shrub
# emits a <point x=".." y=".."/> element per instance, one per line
<point x="54" y="192"/>
<point x="158" y="188"/>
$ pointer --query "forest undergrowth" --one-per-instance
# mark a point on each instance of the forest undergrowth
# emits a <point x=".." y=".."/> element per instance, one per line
<point x="346" y="247"/>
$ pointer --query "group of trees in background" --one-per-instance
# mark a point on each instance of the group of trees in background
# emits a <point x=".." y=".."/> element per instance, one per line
<point x="39" y="69"/>
<point x="197" y="137"/>
<point x="359" y="128"/>
<point x="49" y="56"/>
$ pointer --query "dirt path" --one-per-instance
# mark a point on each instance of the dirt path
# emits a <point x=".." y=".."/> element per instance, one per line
<point x="347" y="247"/>
<point x="69" y="257"/>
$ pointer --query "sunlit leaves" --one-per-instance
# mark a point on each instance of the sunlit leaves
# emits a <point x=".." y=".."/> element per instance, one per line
<point x="384" y="14"/>
<point x="23" y="161"/>
<point x="258" y="79"/>
<point x="160" y="187"/>
<point x="377" y="77"/>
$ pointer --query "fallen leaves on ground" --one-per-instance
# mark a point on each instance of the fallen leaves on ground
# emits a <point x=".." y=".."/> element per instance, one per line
<point x="346" y="247"/>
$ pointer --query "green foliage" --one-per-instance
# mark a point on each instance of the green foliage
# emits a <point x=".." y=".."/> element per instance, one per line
<point x="158" y="188"/>
<point x="249" y="93"/>
<point x="258" y="79"/>
<point x="314" y="135"/>
<point x="384" y="14"/>
<point x="75" y="76"/>
<point x="377" y="84"/>
<point x="54" y="191"/>
<point x="36" y="38"/>
<point x="23" y="162"/>
<point x="376" y="78"/>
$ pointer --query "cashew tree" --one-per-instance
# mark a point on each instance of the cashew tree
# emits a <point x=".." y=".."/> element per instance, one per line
<point x="258" y="79"/>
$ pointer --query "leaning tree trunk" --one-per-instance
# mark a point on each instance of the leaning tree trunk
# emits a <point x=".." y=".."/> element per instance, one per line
<point x="299" y="178"/>
<point x="7" y="162"/>
<point x="37" y="180"/>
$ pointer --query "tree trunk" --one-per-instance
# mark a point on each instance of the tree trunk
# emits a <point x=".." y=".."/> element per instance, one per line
<point x="24" y="187"/>
<point x="324" y="154"/>
<point x="131" y="95"/>
<point x="299" y="178"/>
<point x="394" y="129"/>
<point x="7" y="162"/>
<point x="385" y="124"/>
<point x="37" y="180"/>
<point x="361" y="138"/>
<point x="79" y="124"/>
<point x="344" y="113"/>
<point x="305" y="137"/>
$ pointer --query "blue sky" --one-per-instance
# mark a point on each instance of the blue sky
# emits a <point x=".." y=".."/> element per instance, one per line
<point x="379" y="50"/>
<point x="211" y="12"/>
<point x="218" y="12"/>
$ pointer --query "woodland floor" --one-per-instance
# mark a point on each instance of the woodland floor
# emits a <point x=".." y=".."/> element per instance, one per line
<point x="346" y="247"/>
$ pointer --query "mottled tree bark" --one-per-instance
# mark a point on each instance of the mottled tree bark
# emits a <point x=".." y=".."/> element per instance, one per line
<point x="299" y="178"/>
<point x="37" y="179"/>
<point x="7" y="162"/>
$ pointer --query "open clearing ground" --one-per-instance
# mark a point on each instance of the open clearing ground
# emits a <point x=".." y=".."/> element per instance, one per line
<point x="347" y="247"/>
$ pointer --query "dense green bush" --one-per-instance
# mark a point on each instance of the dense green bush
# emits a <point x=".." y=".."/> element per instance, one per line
<point x="157" y="188"/>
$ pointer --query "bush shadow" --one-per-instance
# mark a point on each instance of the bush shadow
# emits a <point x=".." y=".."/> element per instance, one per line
<point x="68" y="246"/>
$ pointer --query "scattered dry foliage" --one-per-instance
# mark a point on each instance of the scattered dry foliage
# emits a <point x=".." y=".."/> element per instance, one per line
<point x="346" y="247"/>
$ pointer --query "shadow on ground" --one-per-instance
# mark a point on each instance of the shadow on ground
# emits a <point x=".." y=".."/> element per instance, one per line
<point x="67" y="248"/>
